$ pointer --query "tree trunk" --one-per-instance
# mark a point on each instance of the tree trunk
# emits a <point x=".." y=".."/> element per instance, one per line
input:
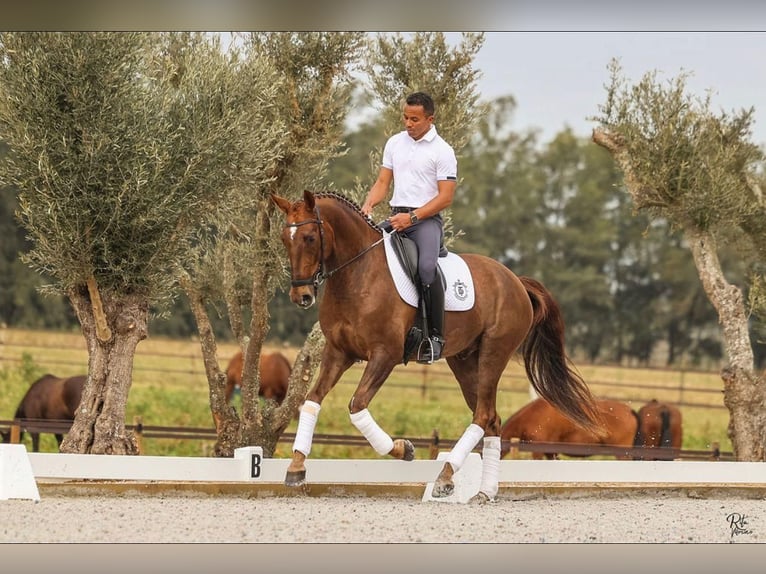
<point x="227" y="423"/>
<point x="743" y="387"/>
<point x="254" y="423"/>
<point x="113" y="327"/>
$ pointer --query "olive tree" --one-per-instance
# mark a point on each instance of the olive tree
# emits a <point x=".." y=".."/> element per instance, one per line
<point x="242" y="265"/>
<point x="700" y="172"/>
<point x="121" y="145"/>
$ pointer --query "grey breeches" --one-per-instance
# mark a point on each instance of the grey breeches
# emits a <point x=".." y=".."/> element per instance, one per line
<point x="427" y="234"/>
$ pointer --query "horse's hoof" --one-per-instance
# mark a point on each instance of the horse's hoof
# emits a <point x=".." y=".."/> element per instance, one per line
<point x="409" y="450"/>
<point x="295" y="478"/>
<point x="443" y="489"/>
<point x="479" y="498"/>
<point x="403" y="450"/>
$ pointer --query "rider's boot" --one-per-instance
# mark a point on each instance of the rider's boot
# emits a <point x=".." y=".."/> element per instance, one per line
<point x="431" y="349"/>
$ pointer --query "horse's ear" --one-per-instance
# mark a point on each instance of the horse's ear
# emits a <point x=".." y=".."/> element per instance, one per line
<point x="308" y="198"/>
<point x="281" y="202"/>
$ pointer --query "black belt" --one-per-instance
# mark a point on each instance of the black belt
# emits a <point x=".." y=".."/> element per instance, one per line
<point x="402" y="209"/>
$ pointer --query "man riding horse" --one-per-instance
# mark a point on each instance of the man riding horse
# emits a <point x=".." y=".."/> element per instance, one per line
<point x="423" y="168"/>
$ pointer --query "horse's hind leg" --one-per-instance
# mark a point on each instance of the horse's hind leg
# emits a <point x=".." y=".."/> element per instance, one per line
<point x="465" y="370"/>
<point x="481" y="400"/>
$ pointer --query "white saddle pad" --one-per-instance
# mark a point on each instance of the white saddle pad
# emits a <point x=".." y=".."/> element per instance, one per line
<point x="459" y="295"/>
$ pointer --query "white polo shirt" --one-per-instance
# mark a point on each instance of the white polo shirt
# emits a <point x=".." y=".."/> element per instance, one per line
<point x="417" y="166"/>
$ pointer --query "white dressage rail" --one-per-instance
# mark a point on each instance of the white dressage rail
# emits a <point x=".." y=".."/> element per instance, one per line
<point x="248" y="465"/>
<point x="21" y="472"/>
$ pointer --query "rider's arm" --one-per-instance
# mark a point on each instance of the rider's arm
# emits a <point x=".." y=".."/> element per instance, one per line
<point x="379" y="190"/>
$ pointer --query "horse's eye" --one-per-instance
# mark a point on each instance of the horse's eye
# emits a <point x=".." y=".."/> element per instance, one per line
<point x="309" y="239"/>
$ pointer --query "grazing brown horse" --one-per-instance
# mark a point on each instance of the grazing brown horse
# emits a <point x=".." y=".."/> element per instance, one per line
<point x="50" y="398"/>
<point x="538" y="421"/>
<point x="274" y="372"/>
<point x="329" y="241"/>
<point x="659" y="426"/>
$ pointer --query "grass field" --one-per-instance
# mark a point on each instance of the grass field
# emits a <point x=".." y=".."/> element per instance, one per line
<point x="169" y="388"/>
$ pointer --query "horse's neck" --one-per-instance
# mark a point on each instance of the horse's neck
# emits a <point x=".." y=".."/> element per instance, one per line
<point x="352" y="235"/>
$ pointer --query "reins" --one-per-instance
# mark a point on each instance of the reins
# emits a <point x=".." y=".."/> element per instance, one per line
<point x="320" y="276"/>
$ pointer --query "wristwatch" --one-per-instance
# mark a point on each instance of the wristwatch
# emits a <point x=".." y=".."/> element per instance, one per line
<point x="413" y="218"/>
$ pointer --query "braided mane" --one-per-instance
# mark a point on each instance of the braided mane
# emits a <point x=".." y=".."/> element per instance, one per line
<point x="348" y="203"/>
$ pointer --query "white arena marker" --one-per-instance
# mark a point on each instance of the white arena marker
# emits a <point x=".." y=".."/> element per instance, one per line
<point x="252" y="461"/>
<point x="16" y="477"/>
<point x="467" y="480"/>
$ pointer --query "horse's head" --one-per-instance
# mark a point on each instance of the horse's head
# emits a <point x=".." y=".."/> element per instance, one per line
<point x="309" y="242"/>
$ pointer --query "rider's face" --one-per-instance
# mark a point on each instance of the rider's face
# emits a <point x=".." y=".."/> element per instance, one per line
<point x="416" y="122"/>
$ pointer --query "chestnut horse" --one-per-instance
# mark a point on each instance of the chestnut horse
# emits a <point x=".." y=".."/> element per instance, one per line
<point x="330" y="241"/>
<point x="659" y="426"/>
<point x="538" y="421"/>
<point x="50" y="398"/>
<point x="274" y="373"/>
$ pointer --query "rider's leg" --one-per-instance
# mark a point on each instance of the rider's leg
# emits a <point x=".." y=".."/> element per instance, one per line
<point x="427" y="234"/>
<point x="433" y="295"/>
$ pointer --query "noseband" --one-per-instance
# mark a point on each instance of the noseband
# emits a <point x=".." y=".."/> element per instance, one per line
<point x="320" y="275"/>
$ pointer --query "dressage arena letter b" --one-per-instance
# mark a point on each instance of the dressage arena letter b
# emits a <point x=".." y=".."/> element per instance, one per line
<point x="255" y="465"/>
<point x="250" y="461"/>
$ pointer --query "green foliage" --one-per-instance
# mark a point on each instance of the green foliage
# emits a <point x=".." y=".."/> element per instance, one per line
<point x="117" y="148"/>
<point x="313" y="100"/>
<point x="693" y="165"/>
<point x="398" y="65"/>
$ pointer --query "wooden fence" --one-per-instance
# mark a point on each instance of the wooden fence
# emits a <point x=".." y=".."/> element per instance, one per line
<point x="423" y="377"/>
<point x="434" y="443"/>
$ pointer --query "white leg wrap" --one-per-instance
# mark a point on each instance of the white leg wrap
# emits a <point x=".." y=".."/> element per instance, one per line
<point x="376" y="436"/>
<point x="306" y="423"/>
<point x="490" y="466"/>
<point x="464" y="446"/>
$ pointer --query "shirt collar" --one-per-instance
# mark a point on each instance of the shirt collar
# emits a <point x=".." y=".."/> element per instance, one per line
<point x="429" y="135"/>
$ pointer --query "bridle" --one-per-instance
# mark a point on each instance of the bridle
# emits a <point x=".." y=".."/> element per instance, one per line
<point x="320" y="275"/>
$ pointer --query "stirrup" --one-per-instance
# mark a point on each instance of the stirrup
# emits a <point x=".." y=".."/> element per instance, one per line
<point x="430" y="350"/>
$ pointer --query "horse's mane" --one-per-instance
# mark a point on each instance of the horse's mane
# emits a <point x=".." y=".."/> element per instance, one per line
<point x="348" y="203"/>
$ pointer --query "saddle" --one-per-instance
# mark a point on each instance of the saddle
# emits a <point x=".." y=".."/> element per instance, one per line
<point x="406" y="251"/>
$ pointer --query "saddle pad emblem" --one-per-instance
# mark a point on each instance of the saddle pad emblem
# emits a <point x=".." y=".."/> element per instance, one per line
<point x="460" y="289"/>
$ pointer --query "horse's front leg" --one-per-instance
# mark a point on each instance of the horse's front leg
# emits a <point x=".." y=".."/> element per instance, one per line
<point x="334" y="364"/>
<point x="375" y="374"/>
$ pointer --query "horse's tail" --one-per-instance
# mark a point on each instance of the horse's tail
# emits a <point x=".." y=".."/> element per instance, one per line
<point x="666" y="436"/>
<point x="547" y="365"/>
<point x="638" y="439"/>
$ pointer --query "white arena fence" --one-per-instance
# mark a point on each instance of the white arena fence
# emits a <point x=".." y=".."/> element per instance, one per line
<point x="20" y="472"/>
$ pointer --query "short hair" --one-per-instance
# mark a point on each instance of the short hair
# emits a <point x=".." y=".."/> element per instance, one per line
<point x="421" y="99"/>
